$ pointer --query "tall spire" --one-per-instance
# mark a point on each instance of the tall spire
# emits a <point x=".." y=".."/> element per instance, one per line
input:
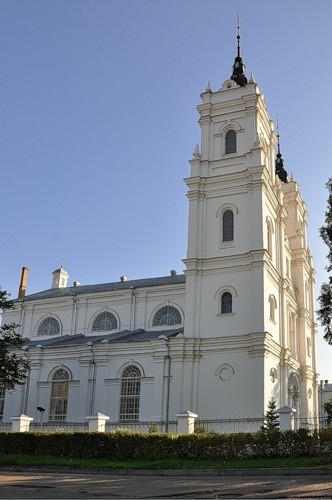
<point x="239" y="67"/>
<point x="238" y="35"/>
<point x="280" y="171"/>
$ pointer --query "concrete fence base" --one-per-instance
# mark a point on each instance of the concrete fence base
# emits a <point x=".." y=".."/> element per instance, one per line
<point x="21" y="423"/>
<point x="186" y="422"/>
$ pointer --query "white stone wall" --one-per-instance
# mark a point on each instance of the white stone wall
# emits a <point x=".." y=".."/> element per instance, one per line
<point x="78" y="318"/>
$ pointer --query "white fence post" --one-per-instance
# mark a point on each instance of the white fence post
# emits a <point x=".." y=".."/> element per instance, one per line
<point x="97" y="422"/>
<point x="21" y="423"/>
<point x="186" y="422"/>
<point x="286" y="414"/>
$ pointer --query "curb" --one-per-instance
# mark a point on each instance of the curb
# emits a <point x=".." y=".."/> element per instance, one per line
<point x="296" y="471"/>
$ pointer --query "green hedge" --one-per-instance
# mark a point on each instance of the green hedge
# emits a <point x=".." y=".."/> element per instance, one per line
<point x="126" y="445"/>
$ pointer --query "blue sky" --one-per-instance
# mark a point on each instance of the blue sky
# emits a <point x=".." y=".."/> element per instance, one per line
<point x="98" y="120"/>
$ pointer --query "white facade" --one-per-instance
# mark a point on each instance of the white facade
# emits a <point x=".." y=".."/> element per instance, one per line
<point x="242" y="328"/>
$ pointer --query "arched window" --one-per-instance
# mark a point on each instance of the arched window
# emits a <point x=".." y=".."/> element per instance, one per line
<point x="104" y="322"/>
<point x="130" y="393"/>
<point x="2" y="399"/>
<point x="230" y="142"/>
<point x="167" y="316"/>
<point x="59" y="395"/>
<point x="49" y="326"/>
<point x="228" y="226"/>
<point x="226" y="303"/>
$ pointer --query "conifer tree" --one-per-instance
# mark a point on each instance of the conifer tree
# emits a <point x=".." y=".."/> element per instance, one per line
<point x="13" y="362"/>
<point x="325" y="299"/>
<point x="271" y="419"/>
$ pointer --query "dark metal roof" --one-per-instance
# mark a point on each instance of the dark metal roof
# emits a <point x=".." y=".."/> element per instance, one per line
<point x="119" y="337"/>
<point x="105" y="287"/>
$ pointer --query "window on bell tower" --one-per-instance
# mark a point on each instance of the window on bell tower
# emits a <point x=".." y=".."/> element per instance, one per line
<point x="226" y="303"/>
<point x="230" y="142"/>
<point x="228" y="226"/>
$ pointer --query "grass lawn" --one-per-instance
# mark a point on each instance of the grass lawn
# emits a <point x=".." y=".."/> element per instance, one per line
<point x="29" y="460"/>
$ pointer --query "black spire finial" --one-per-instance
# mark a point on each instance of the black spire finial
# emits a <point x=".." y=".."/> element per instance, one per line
<point x="280" y="171"/>
<point x="238" y="67"/>
<point x="238" y="35"/>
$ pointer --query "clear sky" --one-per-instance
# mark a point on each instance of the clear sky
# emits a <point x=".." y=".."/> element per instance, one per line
<point x="98" y="120"/>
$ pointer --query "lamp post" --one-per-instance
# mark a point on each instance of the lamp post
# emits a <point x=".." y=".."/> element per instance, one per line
<point x="168" y="357"/>
<point x="41" y="411"/>
<point x="92" y="374"/>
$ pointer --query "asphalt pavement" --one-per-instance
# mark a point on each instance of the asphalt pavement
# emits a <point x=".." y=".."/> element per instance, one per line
<point x="31" y="483"/>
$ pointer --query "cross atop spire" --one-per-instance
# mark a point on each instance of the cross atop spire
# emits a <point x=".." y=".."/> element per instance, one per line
<point x="238" y="34"/>
<point x="280" y="171"/>
<point x="239" y="67"/>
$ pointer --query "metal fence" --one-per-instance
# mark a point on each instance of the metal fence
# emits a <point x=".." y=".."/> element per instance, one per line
<point x="59" y="426"/>
<point x="5" y="426"/>
<point x="230" y="425"/>
<point x="310" y="423"/>
<point x="148" y="426"/>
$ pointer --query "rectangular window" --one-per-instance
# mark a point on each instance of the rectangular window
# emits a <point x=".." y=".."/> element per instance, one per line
<point x="129" y="408"/>
<point x="59" y="401"/>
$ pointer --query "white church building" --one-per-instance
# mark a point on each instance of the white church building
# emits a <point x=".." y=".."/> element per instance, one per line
<point x="220" y="340"/>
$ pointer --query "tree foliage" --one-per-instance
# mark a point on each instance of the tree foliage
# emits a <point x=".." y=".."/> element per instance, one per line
<point x="271" y="418"/>
<point x="13" y="362"/>
<point x="328" y="411"/>
<point x="325" y="299"/>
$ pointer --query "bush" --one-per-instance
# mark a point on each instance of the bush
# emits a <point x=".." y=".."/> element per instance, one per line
<point x="127" y="445"/>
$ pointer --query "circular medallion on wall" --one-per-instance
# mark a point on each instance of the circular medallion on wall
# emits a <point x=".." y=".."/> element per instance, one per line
<point x="225" y="372"/>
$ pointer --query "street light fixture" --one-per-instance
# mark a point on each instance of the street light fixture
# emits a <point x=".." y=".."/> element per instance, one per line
<point x="168" y="356"/>
<point x="41" y="411"/>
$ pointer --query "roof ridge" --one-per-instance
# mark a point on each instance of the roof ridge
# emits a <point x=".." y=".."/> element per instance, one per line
<point x="105" y="287"/>
<point x="140" y="335"/>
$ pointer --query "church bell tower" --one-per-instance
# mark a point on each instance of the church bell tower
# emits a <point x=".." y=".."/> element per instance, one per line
<point x="240" y="277"/>
<point x="232" y="178"/>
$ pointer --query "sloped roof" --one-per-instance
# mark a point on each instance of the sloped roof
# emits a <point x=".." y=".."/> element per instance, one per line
<point x="105" y="287"/>
<point x="119" y="337"/>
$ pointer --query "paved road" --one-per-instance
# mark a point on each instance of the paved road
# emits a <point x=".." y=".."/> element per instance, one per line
<point x="81" y="486"/>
